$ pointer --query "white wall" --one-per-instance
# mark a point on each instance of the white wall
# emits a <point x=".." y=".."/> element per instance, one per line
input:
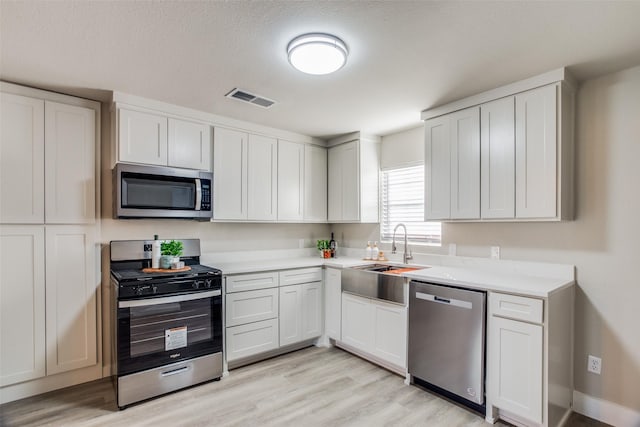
<point x="603" y="242"/>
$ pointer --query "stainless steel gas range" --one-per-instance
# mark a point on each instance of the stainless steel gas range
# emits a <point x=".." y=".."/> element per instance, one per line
<point x="167" y="325"/>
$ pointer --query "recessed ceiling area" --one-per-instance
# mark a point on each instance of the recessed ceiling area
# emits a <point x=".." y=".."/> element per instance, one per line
<point x="404" y="57"/>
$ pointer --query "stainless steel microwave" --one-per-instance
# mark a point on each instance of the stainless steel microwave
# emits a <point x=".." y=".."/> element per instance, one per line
<point x="161" y="192"/>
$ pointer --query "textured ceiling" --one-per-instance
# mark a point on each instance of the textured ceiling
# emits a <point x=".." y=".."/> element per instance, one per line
<point x="404" y="56"/>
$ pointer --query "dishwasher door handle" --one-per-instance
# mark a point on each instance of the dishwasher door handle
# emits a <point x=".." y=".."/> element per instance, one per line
<point x="454" y="302"/>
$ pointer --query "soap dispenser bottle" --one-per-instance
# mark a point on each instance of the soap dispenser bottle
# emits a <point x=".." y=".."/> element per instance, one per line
<point x="368" y="251"/>
<point x="375" y="252"/>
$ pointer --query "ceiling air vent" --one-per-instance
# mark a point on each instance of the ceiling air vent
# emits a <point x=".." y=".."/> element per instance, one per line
<point x="243" y="95"/>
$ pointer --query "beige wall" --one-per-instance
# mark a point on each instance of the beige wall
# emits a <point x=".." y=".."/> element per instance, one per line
<point x="603" y="242"/>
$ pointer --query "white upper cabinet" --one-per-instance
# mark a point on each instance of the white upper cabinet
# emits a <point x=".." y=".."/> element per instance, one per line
<point x="22" y="303"/>
<point x="452" y="166"/>
<point x="497" y="177"/>
<point x="353" y="182"/>
<point x="70" y="181"/>
<point x="262" y="165"/>
<point x="511" y="155"/>
<point x="189" y="145"/>
<point x="315" y="183"/>
<point x="465" y="164"/>
<point x="536" y="153"/>
<point x="230" y="175"/>
<point x="291" y="179"/>
<point x="21" y="159"/>
<point x="437" y="173"/>
<point x="245" y="180"/>
<point x="142" y="137"/>
<point x="155" y="139"/>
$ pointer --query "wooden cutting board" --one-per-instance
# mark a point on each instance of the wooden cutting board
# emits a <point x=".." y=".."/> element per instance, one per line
<point x="166" y="270"/>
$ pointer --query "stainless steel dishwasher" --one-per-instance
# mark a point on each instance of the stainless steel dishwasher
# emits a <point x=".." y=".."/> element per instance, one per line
<point x="447" y="341"/>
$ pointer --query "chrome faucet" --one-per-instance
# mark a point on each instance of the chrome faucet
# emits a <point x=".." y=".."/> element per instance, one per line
<point x="405" y="256"/>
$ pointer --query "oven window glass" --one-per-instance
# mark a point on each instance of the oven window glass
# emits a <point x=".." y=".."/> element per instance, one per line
<point x="163" y="327"/>
<point x="143" y="192"/>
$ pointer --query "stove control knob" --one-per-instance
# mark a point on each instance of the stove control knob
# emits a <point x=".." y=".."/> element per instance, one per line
<point x="196" y="284"/>
<point x="139" y="290"/>
<point x="154" y="289"/>
<point x="208" y="283"/>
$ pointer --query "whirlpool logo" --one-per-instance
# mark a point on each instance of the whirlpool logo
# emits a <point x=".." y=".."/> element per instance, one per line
<point x="173" y="356"/>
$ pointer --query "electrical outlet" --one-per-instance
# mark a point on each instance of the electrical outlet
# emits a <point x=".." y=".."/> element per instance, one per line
<point x="301" y="243"/>
<point x="495" y="252"/>
<point x="594" y="364"/>
<point x="452" y="249"/>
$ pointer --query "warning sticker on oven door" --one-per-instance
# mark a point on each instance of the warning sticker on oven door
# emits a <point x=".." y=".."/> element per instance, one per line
<point x="175" y="338"/>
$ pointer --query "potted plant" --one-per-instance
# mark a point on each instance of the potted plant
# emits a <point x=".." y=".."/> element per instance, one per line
<point x="170" y="252"/>
<point x="323" y="247"/>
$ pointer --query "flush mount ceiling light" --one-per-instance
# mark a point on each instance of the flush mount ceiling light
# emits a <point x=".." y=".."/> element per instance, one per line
<point x="317" y="53"/>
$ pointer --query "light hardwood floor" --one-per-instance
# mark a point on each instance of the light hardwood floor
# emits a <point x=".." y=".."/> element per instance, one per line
<point x="310" y="387"/>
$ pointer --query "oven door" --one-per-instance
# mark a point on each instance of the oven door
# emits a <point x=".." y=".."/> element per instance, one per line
<point x="154" y="332"/>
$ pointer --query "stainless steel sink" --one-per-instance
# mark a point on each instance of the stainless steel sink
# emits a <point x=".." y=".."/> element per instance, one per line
<point x="380" y="281"/>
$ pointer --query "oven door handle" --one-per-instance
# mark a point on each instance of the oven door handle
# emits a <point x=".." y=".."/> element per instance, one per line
<point x="166" y="300"/>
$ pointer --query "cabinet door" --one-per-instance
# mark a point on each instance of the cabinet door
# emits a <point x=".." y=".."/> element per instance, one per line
<point x="72" y="285"/>
<point x="350" y="181"/>
<point x="390" y="338"/>
<point x="189" y="145"/>
<point x="142" y="137"/>
<point x="465" y="164"/>
<point x="515" y="359"/>
<point x="290" y="314"/>
<point x="21" y="160"/>
<point x="253" y="338"/>
<point x="357" y="322"/>
<point x="70" y="164"/>
<point x="229" y="174"/>
<point x="536" y="156"/>
<point x="437" y="173"/>
<point x="22" y="304"/>
<point x="334" y="191"/>
<point x="262" y="169"/>
<point x="290" y="181"/>
<point x="497" y="172"/>
<point x="311" y="310"/>
<point x="333" y="303"/>
<point x="251" y="306"/>
<point x="315" y="184"/>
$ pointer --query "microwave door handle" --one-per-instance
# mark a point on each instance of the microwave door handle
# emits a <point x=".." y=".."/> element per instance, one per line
<point x="198" y="194"/>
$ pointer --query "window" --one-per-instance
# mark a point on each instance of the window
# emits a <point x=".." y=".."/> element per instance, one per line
<point x="403" y="202"/>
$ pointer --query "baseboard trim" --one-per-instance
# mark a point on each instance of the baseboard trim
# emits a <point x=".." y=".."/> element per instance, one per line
<point x="605" y="411"/>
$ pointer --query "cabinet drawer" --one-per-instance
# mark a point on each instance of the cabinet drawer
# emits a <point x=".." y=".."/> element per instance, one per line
<point x="251" y="306"/>
<point x="254" y="338"/>
<point x="249" y="282"/>
<point x="515" y="307"/>
<point x="301" y="275"/>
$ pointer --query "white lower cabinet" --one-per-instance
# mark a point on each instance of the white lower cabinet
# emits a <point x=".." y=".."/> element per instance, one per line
<point x="375" y="327"/>
<point x="22" y="304"/>
<point x="515" y="353"/>
<point x="35" y="344"/>
<point x="269" y="310"/>
<point x="71" y="306"/>
<point x="251" y="306"/>
<point x="333" y="303"/>
<point x="251" y="339"/>
<point x="390" y="332"/>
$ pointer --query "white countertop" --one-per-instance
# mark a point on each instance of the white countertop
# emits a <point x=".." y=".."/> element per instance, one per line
<point x="468" y="277"/>
<point x="472" y="278"/>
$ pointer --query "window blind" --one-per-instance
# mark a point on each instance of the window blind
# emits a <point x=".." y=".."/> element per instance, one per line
<point x="403" y="202"/>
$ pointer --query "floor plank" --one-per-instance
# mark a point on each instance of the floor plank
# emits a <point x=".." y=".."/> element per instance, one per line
<point x="310" y="387"/>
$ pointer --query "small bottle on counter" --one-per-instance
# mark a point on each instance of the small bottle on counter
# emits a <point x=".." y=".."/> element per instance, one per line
<point x="333" y="247"/>
<point x="375" y="252"/>
<point x="381" y="256"/>
<point x="155" y="252"/>
<point x="368" y="251"/>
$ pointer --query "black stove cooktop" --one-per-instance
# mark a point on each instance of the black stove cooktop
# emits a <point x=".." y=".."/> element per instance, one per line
<point x="135" y="274"/>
